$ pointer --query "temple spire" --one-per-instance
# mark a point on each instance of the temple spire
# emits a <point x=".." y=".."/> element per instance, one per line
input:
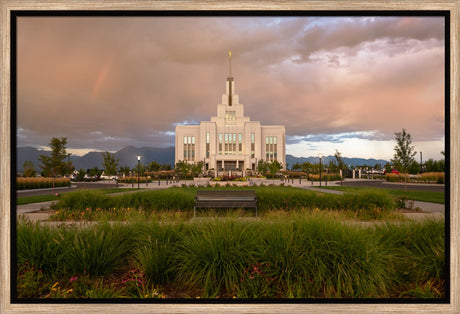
<point x="230" y="63"/>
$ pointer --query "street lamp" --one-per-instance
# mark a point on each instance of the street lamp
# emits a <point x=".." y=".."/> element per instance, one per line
<point x="138" y="169"/>
<point x="70" y="172"/>
<point x="421" y="164"/>
<point x="319" y="169"/>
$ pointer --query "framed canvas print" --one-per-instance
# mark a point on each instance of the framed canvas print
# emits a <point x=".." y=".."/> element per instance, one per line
<point x="196" y="156"/>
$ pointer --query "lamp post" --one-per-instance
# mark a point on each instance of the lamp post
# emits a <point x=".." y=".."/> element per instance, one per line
<point x="138" y="170"/>
<point x="70" y="172"/>
<point x="421" y="164"/>
<point x="319" y="170"/>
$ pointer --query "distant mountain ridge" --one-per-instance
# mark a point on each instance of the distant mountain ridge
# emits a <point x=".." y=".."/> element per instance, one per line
<point x="291" y="160"/>
<point x="128" y="157"/>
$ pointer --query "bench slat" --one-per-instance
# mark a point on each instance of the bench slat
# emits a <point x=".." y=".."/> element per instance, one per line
<point x="225" y="199"/>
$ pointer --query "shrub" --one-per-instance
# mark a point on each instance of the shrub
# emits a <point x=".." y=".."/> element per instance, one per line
<point x="303" y="254"/>
<point x="100" y="250"/>
<point x="213" y="254"/>
<point x="42" y="247"/>
<point x="156" y="247"/>
<point x="81" y="200"/>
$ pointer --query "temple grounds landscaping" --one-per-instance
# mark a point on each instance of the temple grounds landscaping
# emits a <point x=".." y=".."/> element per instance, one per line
<point x="304" y="244"/>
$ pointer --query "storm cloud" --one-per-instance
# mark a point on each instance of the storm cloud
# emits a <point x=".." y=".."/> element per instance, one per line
<point x="108" y="82"/>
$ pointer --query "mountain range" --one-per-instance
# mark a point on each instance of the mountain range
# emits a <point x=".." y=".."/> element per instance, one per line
<point x="128" y="157"/>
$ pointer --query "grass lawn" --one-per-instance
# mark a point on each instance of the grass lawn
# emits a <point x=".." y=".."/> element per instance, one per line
<point x="45" y="198"/>
<point x="423" y="196"/>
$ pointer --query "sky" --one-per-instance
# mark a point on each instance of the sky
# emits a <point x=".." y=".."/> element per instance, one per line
<point x="335" y="83"/>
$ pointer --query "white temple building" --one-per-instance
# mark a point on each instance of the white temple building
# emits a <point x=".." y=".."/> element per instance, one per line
<point x="230" y="141"/>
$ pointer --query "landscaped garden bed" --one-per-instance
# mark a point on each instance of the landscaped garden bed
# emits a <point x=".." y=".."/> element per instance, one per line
<point x="93" y="205"/>
<point x="306" y="254"/>
<point x="304" y="244"/>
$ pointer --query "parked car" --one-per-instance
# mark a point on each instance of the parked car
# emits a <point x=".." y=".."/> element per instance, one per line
<point x="394" y="171"/>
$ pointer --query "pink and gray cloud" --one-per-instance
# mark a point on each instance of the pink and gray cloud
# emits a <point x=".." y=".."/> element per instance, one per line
<point x="108" y="82"/>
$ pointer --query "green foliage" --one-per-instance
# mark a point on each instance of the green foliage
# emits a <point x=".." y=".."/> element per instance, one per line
<point x="183" y="168"/>
<point x="434" y="165"/>
<point x="110" y="163"/>
<point x="42" y="247"/>
<point x="28" y="168"/>
<point x="155" y="252"/>
<point x="262" y="167"/>
<point x="55" y="164"/>
<point x="404" y="151"/>
<point x="365" y="204"/>
<point x="30" y="281"/>
<point x="85" y="199"/>
<point x="298" y="255"/>
<point x="212" y="254"/>
<point x="339" y="159"/>
<point x="274" y="167"/>
<point x="100" y="250"/>
<point x="154" y="166"/>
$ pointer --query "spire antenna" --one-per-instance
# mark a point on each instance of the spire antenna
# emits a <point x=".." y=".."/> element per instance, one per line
<point x="230" y="63"/>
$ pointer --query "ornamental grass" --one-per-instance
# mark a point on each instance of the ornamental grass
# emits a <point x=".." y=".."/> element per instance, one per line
<point x="301" y="255"/>
<point x="40" y="183"/>
<point x="368" y="204"/>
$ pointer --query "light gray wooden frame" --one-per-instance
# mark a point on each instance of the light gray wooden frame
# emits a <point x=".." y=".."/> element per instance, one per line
<point x="5" y="171"/>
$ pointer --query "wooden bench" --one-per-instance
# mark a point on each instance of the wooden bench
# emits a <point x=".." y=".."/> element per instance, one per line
<point x="225" y="199"/>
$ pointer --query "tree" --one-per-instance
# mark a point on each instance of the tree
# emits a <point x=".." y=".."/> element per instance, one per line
<point x="183" y="168"/>
<point x="29" y="170"/>
<point x="197" y="168"/>
<point x="81" y="174"/>
<point x="274" y="167"/>
<point x="339" y="160"/>
<point x="94" y="172"/>
<point x="110" y="163"/>
<point x="307" y="167"/>
<point x="340" y="164"/>
<point x="262" y="167"/>
<point x="125" y="170"/>
<point x="414" y="168"/>
<point x="55" y="164"/>
<point x="404" y="151"/>
<point x="154" y="166"/>
<point x="141" y="168"/>
<point x="166" y="166"/>
<point x="296" y="167"/>
<point x="332" y="166"/>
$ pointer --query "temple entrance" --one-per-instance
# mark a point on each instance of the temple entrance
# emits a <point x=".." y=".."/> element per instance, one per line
<point x="234" y="167"/>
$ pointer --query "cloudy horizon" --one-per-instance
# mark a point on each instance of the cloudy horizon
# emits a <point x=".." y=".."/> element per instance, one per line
<point x="336" y="83"/>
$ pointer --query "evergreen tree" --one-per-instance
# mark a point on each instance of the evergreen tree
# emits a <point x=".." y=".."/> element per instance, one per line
<point x="110" y="164"/>
<point x="54" y="164"/>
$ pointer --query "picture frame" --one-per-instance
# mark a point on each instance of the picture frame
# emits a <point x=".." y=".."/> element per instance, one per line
<point x="6" y="176"/>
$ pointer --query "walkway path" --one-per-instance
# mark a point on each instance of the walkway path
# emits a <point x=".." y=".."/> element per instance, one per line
<point x="38" y="211"/>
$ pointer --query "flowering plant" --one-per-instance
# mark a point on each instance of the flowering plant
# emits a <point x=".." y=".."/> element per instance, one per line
<point x="256" y="282"/>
